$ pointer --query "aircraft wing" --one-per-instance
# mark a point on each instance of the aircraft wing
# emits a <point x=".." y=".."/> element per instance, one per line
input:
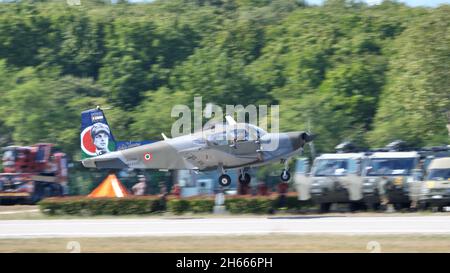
<point x="197" y="156"/>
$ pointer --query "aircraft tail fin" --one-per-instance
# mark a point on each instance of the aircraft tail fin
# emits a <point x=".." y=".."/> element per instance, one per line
<point x="96" y="136"/>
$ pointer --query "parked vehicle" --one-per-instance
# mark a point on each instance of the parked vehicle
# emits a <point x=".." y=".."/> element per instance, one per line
<point x="435" y="191"/>
<point x="336" y="178"/>
<point x="32" y="173"/>
<point x="390" y="178"/>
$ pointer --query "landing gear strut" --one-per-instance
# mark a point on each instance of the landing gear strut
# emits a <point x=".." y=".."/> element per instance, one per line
<point x="285" y="175"/>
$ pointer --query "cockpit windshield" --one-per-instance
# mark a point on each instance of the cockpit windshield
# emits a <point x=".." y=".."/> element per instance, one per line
<point x="390" y="166"/>
<point x="9" y="156"/>
<point x="255" y="132"/>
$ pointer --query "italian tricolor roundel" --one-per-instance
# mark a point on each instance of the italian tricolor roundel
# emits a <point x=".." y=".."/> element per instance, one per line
<point x="87" y="143"/>
<point x="148" y="156"/>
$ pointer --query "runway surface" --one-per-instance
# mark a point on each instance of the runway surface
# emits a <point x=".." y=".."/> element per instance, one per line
<point x="225" y="226"/>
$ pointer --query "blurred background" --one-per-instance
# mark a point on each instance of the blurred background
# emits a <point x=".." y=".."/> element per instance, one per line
<point x="367" y="72"/>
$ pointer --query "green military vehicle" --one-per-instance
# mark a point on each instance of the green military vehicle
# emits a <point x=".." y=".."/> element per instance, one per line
<point x="336" y="178"/>
<point x="435" y="191"/>
<point x="391" y="178"/>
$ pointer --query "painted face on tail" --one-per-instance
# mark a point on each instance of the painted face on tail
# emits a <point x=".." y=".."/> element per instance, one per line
<point x="101" y="141"/>
<point x="96" y="140"/>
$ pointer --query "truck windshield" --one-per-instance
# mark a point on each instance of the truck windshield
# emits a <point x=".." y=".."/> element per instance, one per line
<point x="439" y="174"/>
<point x="390" y="166"/>
<point x="9" y="157"/>
<point x="331" y="167"/>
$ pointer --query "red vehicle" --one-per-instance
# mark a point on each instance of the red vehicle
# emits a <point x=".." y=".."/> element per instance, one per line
<point x="31" y="173"/>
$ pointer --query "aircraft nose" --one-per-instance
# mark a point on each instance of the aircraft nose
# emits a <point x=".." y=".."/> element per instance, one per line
<point x="298" y="139"/>
<point x="308" y="137"/>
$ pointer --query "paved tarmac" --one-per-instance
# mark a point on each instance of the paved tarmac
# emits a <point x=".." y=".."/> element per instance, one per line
<point x="345" y="225"/>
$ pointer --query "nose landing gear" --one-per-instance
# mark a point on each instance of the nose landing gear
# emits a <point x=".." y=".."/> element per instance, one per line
<point x="285" y="175"/>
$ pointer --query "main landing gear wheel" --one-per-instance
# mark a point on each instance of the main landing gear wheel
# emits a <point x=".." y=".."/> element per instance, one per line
<point x="285" y="175"/>
<point x="224" y="180"/>
<point x="244" y="179"/>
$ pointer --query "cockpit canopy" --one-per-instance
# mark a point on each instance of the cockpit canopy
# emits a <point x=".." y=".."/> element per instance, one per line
<point x="221" y="134"/>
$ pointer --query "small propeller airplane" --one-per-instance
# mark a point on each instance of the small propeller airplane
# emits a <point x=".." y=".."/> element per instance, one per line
<point x="221" y="147"/>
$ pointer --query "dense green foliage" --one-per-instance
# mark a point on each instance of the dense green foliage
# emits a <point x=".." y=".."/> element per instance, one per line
<point x="366" y="73"/>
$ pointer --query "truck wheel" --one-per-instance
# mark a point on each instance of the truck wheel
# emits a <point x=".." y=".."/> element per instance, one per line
<point x="401" y="206"/>
<point x="56" y="190"/>
<point x="422" y="206"/>
<point x="373" y="206"/>
<point x="398" y="206"/>
<point x="325" y="207"/>
<point x="46" y="192"/>
<point x="355" y="206"/>
<point x="37" y="195"/>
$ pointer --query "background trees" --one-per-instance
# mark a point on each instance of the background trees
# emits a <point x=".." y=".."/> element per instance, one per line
<point x="416" y="98"/>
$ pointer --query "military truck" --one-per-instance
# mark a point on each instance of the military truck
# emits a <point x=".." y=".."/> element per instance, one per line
<point x="302" y="178"/>
<point x="31" y="173"/>
<point x="336" y="178"/>
<point x="390" y="177"/>
<point x="435" y="191"/>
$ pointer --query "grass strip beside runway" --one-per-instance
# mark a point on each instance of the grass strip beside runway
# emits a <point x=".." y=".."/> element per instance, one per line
<point x="265" y="243"/>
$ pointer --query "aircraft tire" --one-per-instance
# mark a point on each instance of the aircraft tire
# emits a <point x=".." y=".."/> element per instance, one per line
<point x="324" y="207"/>
<point x="244" y="179"/>
<point x="285" y="176"/>
<point x="224" y="180"/>
<point x="373" y="206"/>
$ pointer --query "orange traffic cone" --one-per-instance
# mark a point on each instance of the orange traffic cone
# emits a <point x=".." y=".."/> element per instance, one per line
<point x="110" y="187"/>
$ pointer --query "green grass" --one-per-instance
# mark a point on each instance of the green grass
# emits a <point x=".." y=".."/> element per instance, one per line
<point x="266" y="243"/>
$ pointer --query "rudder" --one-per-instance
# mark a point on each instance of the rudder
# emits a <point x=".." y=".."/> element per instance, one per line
<point x="95" y="136"/>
